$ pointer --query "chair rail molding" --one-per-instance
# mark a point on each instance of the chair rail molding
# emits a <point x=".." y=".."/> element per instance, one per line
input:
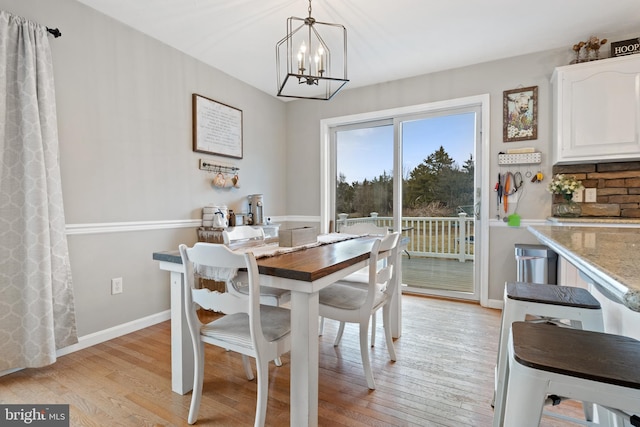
<point x="118" y="227"/>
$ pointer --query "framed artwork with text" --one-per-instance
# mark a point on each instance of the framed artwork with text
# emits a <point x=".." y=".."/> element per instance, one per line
<point x="217" y="128"/>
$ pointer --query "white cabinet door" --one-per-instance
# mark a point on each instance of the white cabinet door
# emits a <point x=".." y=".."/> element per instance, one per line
<point x="597" y="111"/>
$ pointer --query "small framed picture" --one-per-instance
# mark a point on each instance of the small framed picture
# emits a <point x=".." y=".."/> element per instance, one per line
<point x="520" y="114"/>
<point x="217" y="128"/>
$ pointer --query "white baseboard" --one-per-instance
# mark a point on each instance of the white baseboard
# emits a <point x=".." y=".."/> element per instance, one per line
<point x="9" y="371"/>
<point x="115" y="332"/>
<point x="107" y="334"/>
<point x="494" y="303"/>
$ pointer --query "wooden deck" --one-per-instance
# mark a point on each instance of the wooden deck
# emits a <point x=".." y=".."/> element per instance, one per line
<point x="437" y="273"/>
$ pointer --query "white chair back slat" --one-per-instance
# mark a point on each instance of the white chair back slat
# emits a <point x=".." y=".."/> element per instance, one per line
<point x="381" y="264"/>
<point x="221" y="302"/>
<point x="384" y="275"/>
<point x="242" y="233"/>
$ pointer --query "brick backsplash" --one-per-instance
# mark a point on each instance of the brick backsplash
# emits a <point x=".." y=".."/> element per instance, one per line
<point x="617" y="186"/>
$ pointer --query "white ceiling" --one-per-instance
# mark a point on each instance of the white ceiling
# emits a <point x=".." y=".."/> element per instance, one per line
<point x="387" y="40"/>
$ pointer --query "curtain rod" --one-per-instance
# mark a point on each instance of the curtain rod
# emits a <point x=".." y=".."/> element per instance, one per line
<point x="55" y="32"/>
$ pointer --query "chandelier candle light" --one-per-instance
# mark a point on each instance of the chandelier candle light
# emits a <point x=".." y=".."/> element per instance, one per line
<point x="308" y="69"/>
<point x="565" y="186"/>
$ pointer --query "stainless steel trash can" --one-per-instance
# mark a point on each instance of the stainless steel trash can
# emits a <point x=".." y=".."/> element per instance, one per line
<point x="536" y="264"/>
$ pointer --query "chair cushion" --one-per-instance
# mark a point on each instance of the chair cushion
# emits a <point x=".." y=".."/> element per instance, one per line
<point x="234" y="328"/>
<point x="347" y="295"/>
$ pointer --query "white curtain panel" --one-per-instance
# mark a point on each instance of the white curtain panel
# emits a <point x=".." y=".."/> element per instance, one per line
<point x="37" y="313"/>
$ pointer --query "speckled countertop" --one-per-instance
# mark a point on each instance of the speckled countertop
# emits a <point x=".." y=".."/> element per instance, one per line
<point x="609" y="256"/>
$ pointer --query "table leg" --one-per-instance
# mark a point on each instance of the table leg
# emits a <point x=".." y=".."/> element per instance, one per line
<point x="396" y="309"/>
<point x="181" y="346"/>
<point x="396" y="300"/>
<point x="304" y="359"/>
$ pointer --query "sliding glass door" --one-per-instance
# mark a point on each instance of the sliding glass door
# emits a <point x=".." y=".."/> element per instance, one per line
<point x="364" y="174"/>
<point x="438" y="208"/>
<point x="415" y="173"/>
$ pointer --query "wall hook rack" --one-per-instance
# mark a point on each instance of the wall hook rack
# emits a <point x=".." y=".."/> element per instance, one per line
<point x="218" y="168"/>
<point x="226" y="175"/>
<point x="520" y="159"/>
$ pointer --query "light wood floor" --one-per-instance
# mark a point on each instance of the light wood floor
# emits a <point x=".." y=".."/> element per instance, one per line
<point x="443" y="377"/>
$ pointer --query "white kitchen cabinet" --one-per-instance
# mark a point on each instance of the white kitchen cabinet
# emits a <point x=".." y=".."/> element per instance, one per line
<point x="597" y="111"/>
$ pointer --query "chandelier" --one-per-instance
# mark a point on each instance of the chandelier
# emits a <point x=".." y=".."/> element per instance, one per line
<point x="305" y="65"/>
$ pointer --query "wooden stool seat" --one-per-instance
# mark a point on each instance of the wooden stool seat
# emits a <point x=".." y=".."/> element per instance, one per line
<point x="568" y="296"/>
<point x="595" y="356"/>
<point x="546" y="360"/>
<point x="562" y="303"/>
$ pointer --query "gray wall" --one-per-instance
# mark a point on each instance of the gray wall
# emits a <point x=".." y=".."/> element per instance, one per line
<point x="124" y="118"/>
<point x="124" y="114"/>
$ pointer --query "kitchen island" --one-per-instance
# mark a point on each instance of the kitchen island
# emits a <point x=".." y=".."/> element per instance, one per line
<point x="606" y="257"/>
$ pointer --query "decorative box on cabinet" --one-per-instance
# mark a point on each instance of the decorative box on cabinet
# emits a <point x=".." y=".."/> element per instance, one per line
<point x="597" y="111"/>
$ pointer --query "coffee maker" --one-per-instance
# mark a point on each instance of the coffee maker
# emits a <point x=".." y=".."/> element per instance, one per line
<point x="256" y="209"/>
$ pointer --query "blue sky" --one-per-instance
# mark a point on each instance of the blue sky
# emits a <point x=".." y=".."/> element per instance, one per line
<point x="366" y="153"/>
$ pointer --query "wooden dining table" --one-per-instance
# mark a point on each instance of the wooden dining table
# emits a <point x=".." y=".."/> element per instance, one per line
<point x="304" y="272"/>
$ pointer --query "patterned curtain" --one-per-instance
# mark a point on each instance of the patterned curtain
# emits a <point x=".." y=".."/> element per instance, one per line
<point x="37" y="313"/>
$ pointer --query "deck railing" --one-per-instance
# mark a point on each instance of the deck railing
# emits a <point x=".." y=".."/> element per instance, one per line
<point x="437" y="237"/>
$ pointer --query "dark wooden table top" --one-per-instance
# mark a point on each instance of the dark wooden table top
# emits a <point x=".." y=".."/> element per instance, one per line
<point x="317" y="262"/>
<point x="307" y="264"/>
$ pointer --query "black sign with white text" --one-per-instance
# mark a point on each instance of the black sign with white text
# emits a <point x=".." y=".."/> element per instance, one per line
<point x="34" y="415"/>
<point x="625" y="47"/>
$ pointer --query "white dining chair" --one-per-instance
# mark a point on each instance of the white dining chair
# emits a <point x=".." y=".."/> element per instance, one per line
<point x="248" y="235"/>
<point x="247" y="327"/>
<point x="269" y="296"/>
<point x="355" y="302"/>
<point x="362" y="275"/>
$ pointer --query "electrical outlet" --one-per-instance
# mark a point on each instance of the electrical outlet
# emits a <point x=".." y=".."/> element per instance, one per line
<point x="513" y="198"/>
<point x="578" y="196"/>
<point x="116" y="286"/>
<point x="590" y="195"/>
